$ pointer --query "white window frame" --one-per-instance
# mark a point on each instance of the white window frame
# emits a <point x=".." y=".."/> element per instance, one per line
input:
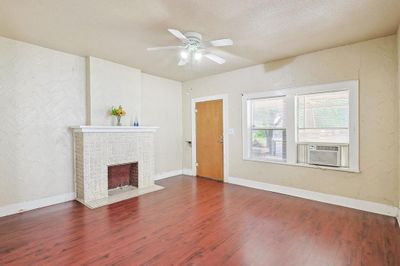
<point x="290" y="121"/>
<point x="250" y="127"/>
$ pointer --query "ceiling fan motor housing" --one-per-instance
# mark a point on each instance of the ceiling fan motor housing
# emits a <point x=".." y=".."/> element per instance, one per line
<point x="193" y="41"/>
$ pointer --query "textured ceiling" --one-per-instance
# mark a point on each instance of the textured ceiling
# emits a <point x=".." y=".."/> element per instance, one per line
<point x="262" y="30"/>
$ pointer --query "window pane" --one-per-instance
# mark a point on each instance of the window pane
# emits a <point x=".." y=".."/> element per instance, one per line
<point x="324" y="135"/>
<point x="323" y="117"/>
<point x="267" y="113"/>
<point x="323" y="110"/>
<point x="268" y="144"/>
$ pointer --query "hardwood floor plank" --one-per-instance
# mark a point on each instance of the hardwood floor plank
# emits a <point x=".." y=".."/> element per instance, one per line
<point x="195" y="221"/>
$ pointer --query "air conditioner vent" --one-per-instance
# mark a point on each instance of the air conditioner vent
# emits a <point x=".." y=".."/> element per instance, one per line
<point x="327" y="155"/>
<point x="327" y="148"/>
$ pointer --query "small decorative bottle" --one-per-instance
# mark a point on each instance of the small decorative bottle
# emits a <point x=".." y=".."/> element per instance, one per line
<point x="136" y="122"/>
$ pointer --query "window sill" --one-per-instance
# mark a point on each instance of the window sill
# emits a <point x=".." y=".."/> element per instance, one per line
<point x="340" y="169"/>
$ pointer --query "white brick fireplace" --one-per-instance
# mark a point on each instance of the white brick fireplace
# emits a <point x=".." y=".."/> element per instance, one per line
<point x="98" y="147"/>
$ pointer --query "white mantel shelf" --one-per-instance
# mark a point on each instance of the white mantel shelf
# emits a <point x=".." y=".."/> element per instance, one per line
<point x="117" y="129"/>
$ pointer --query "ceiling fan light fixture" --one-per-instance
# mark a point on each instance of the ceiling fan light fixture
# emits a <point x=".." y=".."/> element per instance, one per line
<point x="198" y="56"/>
<point x="184" y="54"/>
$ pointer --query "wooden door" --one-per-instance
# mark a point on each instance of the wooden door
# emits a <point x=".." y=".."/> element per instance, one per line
<point x="209" y="139"/>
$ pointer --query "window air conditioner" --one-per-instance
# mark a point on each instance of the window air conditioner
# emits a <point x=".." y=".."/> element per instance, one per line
<point x="327" y="155"/>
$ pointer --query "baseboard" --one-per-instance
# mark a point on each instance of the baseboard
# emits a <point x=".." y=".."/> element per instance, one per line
<point x="317" y="196"/>
<point x="187" y="171"/>
<point x="168" y="174"/>
<point x="35" y="204"/>
<point x="301" y="193"/>
<point x="44" y="202"/>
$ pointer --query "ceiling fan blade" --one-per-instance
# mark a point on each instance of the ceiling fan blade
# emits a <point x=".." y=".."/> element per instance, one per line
<point x="177" y="34"/>
<point x="215" y="58"/>
<point x="164" y="48"/>
<point x="182" y="62"/>
<point x="221" y="42"/>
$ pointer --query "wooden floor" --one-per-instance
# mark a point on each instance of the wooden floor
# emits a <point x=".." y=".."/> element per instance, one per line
<point x="195" y="221"/>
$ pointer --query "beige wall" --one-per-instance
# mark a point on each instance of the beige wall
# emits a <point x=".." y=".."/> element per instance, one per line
<point x="162" y="107"/>
<point x="42" y="93"/>
<point x="398" y="84"/>
<point x="373" y="63"/>
<point x="112" y="84"/>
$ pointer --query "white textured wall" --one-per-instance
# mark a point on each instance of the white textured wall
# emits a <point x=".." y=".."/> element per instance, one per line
<point x="374" y="63"/>
<point x="111" y="84"/>
<point x="42" y="93"/>
<point x="162" y="106"/>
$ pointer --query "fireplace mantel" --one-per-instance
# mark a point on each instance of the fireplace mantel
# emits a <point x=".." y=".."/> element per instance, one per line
<point x="110" y="129"/>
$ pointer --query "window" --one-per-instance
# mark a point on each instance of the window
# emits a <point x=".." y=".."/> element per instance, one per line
<point x="323" y="117"/>
<point x="268" y="135"/>
<point x="303" y="126"/>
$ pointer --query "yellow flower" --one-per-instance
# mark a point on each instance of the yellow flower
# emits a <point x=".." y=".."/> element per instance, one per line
<point x="118" y="111"/>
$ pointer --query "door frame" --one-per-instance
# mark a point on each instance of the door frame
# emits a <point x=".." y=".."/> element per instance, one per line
<point x="224" y="98"/>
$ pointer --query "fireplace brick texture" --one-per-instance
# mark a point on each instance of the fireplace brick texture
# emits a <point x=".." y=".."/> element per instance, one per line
<point x="94" y="152"/>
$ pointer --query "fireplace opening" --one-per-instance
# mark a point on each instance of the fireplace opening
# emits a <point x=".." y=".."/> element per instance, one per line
<point x="122" y="176"/>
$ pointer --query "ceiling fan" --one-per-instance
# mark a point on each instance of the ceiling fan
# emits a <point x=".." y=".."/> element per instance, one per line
<point x="194" y="47"/>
